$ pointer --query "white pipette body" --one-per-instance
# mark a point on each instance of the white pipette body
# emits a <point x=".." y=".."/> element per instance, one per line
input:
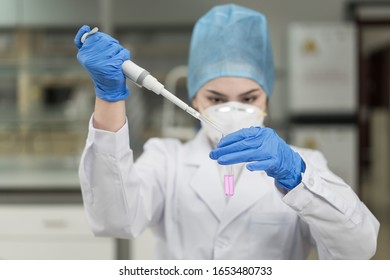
<point x="142" y="78"/>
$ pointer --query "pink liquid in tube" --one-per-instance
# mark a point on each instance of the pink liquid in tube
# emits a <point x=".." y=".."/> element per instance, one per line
<point x="229" y="184"/>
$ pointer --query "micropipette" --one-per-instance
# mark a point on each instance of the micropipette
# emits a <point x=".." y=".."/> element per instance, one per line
<point x="142" y="78"/>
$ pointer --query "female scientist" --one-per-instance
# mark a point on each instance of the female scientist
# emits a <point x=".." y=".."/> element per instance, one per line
<point x="286" y="198"/>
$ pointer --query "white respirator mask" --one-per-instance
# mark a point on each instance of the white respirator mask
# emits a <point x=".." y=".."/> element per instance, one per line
<point x="230" y="117"/>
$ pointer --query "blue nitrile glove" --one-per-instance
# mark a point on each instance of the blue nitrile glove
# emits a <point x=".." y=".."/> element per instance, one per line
<point x="265" y="150"/>
<point x="102" y="56"/>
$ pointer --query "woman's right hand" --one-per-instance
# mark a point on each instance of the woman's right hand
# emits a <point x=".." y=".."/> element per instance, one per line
<point x="102" y="56"/>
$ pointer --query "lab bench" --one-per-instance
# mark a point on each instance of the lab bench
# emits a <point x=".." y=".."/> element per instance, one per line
<point x="42" y="215"/>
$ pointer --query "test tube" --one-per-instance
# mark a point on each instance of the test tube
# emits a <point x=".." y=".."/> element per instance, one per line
<point x="228" y="181"/>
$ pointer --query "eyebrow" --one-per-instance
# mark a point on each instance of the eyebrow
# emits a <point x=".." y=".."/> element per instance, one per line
<point x="241" y="94"/>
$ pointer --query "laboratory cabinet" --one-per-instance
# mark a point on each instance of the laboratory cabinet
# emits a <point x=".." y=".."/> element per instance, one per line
<point x="322" y="97"/>
<point x="57" y="232"/>
<point x="47" y="98"/>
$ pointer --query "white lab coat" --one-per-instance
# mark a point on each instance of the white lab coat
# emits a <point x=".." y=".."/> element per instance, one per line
<point x="177" y="190"/>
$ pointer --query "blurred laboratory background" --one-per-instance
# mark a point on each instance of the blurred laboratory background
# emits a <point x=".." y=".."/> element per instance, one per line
<point x="332" y="94"/>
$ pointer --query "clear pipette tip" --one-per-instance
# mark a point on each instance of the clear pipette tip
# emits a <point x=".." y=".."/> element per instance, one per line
<point x="202" y="118"/>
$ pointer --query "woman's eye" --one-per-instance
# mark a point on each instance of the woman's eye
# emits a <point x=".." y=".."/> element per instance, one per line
<point x="216" y="100"/>
<point x="249" y="99"/>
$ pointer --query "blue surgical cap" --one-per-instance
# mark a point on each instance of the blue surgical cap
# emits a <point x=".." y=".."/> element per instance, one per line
<point x="230" y="41"/>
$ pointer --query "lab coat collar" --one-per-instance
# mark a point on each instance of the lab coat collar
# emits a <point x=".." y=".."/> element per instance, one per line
<point x="249" y="189"/>
<point x="208" y="184"/>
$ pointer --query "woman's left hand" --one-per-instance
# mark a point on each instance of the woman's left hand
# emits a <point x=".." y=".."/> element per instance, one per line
<point x="265" y="150"/>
